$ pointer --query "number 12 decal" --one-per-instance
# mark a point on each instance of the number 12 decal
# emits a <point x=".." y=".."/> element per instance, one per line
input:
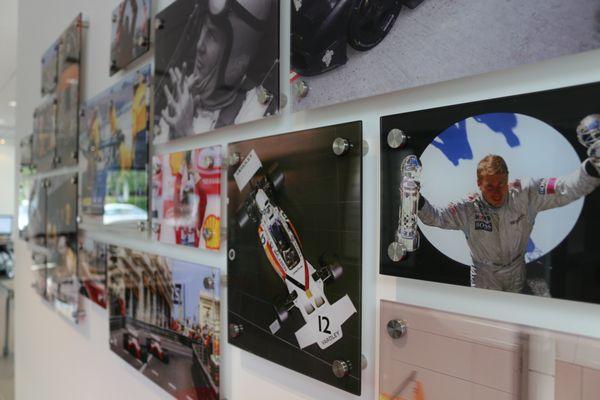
<point x="324" y="321"/>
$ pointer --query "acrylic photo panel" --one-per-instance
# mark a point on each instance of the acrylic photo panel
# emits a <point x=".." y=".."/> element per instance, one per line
<point x="165" y="321"/>
<point x="26" y="156"/>
<point x="130" y="33"/>
<point x="91" y="268"/>
<point x="435" y="355"/>
<point x="50" y="69"/>
<point x="67" y="94"/>
<point x="25" y="187"/>
<point x="114" y="152"/>
<point x="217" y="65"/>
<point x="32" y="211"/>
<point x="525" y="223"/>
<point x="44" y="135"/>
<point x="186" y="198"/>
<point x="61" y="242"/>
<point x="345" y="50"/>
<point x="294" y="251"/>
<point x="38" y="268"/>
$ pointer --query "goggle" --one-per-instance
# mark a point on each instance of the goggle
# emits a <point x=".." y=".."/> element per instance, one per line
<point x="222" y="7"/>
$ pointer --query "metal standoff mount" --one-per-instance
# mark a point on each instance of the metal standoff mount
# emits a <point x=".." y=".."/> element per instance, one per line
<point x="397" y="328"/>
<point x="209" y="283"/>
<point x="231" y="254"/>
<point x="141" y="225"/>
<point x="283" y="100"/>
<point x="235" y="330"/>
<point x="300" y="88"/>
<point x="341" y="146"/>
<point x="341" y="368"/>
<point x="396" y="138"/>
<point x="263" y="95"/>
<point x="234" y="159"/>
<point x="396" y="251"/>
<point x="142" y="41"/>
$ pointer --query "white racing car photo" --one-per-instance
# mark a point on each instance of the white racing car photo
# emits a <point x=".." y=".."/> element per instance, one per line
<point x="305" y="283"/>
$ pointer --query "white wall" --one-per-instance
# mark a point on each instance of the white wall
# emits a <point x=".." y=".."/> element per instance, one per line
<point x="56" y="360"/>
<point x="7" y="178"/>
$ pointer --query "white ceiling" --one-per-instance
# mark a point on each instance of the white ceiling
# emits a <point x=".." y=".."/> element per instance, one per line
<point x="8" y="65"/>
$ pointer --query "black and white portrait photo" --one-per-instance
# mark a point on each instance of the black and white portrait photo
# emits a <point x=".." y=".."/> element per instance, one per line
<point x="216" y="65"/>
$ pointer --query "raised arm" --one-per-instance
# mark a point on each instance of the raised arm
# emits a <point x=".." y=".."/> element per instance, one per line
<point x="548" y="193"/>
<point x="453" y="217"/>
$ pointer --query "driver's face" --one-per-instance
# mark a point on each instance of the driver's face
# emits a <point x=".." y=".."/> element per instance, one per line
<point x="208" y="49"/>
<point x="494" y="188"/>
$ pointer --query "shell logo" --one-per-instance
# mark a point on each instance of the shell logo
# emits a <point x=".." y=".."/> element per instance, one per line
<point x="212" y="224"/>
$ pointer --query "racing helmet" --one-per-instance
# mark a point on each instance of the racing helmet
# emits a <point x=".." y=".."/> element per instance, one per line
<point x="588" y="131"/>
<point x="249" y="20"/>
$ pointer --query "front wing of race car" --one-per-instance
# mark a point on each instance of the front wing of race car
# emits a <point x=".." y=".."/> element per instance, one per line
<point x="324" y="327"/>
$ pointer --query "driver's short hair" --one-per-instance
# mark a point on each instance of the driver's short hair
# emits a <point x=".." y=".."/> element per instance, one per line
<point x="491" y="164"/>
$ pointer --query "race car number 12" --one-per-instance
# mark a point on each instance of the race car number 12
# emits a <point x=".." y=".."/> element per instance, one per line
<point x="324" y="325"/>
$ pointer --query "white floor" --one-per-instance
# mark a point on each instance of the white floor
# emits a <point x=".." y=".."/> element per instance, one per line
<point x="7" y="377"/>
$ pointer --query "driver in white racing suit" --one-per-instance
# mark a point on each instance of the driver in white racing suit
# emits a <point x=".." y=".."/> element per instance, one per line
<point x="497" y="222"/>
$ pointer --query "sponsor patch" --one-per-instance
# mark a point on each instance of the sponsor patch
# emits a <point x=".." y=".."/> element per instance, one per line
<point x="547" y="186"/>
<point x="483" y="222"/>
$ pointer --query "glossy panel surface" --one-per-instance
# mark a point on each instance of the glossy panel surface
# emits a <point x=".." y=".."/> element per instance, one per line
<point x="61" y="242"/>
<point x="67" y="94"/>
<point x="450" y="356"/>
<point x="130" y="33"/>
<point x="530" y="231"/>
<point x="186" y="198"/>
<point x="91" y="268"/>
<point x="345" y="50"/>
<point x="294" y="251"/>
<point x="216" y="66"/>
<point x="165" y="321"/>
<point x="114" y="152"/>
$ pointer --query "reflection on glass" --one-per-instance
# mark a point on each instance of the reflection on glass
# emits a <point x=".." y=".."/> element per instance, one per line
<point x="434" y="355"/>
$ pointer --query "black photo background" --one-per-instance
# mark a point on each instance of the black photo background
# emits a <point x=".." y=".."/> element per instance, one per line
<point x="571" y="269"/>
<point x="321" y="196"/>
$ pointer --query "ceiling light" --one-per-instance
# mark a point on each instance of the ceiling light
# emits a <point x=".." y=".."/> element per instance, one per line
<point x="2" y="141"/>
<point x="12" y="103"/>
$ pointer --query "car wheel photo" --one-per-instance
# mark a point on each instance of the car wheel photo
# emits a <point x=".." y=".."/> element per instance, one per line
<point x="371" y="21"/>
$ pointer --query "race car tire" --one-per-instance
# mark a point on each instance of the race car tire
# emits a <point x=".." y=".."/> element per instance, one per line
<point x="165" y="358"/>
<point x="243" y="218"/>
<point x="335" y="270"/>
<point x="276" y="177"/>
<point x="282" y="314"/>
<point x="319" y="301"/>
<point x="309" y="308"/>
<point x="371" y="21"/>
<point x="143" y="356"/>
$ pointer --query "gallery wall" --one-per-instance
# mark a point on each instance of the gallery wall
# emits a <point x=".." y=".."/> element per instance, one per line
<point x="7" y="176"/>
<point x="55" y="359"/>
